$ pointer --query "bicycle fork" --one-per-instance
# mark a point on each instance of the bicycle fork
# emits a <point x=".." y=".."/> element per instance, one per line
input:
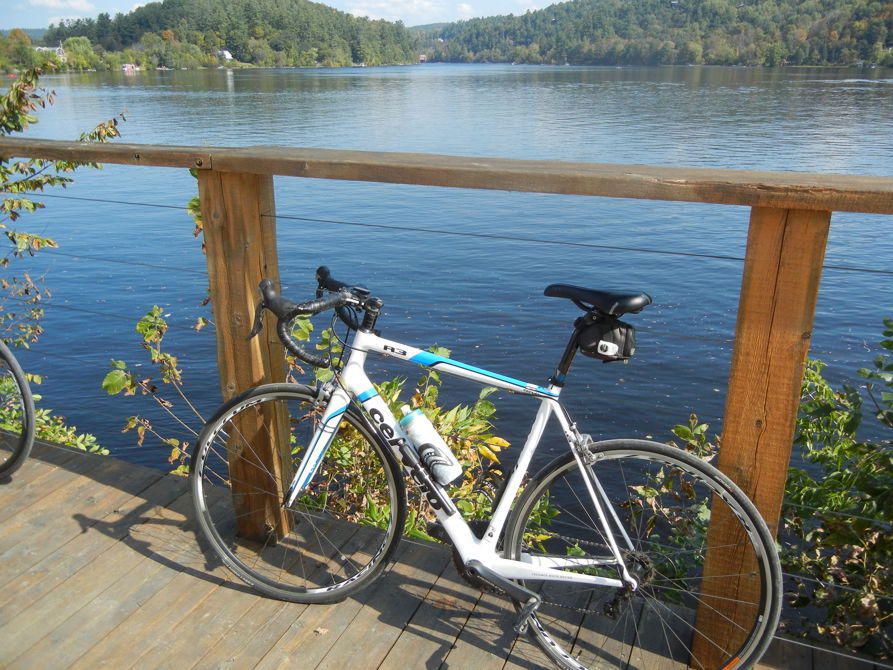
<point x="335" y="407"/>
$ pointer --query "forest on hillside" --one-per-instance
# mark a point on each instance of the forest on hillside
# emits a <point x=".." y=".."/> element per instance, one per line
<point x="264" y="33"/>
<point x="298" y="33"/>
<point x="663" y="32"/>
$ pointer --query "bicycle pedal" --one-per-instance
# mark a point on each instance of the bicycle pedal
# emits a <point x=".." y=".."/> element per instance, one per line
<point x="529" y="608"/>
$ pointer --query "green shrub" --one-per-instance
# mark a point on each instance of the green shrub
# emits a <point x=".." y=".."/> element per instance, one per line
<point x="838" y="541"/>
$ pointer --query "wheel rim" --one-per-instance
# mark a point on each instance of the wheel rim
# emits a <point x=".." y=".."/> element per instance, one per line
<point x="339" y="531"/>
<point x="16" y="423"/>
<point x="667" y="520"/>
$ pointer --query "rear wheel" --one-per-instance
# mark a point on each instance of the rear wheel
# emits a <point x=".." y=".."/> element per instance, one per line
<point x="669" y="503"/>
<point x="341" y="530"/>
<point x="16" y="414"/>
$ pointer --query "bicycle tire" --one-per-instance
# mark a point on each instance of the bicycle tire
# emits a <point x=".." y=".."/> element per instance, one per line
<point x="16" y="414"/>
<point x="340" y="533"/>
<point x="665" y="498"/>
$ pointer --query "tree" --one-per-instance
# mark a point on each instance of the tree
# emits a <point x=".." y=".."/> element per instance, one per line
<point x="79" y="53"/>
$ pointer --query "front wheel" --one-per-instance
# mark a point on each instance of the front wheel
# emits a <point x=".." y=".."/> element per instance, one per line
<point x="687" y="535"/>
<point x="341" y="529"/>
<point x="16" y="414"/>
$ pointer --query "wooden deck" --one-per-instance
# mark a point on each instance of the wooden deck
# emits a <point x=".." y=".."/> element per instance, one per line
<point x="100" y="568"/>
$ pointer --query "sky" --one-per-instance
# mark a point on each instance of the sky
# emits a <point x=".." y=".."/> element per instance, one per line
<point x="40" y="13"/>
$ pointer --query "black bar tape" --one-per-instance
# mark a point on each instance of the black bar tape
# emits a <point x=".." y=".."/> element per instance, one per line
<point x="286" y="310"/>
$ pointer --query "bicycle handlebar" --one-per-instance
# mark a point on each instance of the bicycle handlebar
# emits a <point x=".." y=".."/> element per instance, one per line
<point x="328" y="283"/>
<point x="340" y="298"/>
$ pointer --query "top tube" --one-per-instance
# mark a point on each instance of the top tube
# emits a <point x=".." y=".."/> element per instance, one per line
<point x="371" y="342"/>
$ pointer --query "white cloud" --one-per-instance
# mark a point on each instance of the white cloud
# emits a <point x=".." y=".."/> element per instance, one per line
<point x="411" y="12"/>
<point x="70" y="5"/>
<point x="465" y="10"/>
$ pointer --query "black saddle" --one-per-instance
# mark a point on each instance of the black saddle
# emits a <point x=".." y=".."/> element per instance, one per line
<point x="615" y="303"/>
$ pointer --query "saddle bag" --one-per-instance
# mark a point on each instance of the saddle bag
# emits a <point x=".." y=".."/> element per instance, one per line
<point x="608" y="339"/>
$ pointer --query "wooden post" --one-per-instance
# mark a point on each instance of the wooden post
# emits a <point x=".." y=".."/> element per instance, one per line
<point x="238" y="213"/>
<point x="783" y="265"/>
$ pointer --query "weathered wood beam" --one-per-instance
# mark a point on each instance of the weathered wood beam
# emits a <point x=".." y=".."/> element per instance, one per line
<point x="238" y="214"/>
<point x="779" y="289"/>
<point x="785" y="190"/>
<point x="783" y="265"/>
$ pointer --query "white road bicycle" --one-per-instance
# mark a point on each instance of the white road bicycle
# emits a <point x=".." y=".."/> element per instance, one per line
<point x="619" y="553"/>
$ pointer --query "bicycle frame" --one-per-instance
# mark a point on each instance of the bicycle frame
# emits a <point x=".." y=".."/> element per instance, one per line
<point x="354" y="383"/>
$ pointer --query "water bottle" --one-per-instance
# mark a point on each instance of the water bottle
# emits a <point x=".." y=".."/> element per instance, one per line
<point x="434" y="453"/>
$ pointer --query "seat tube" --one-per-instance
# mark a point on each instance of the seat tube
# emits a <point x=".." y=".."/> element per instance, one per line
<point x="494" y="530"/>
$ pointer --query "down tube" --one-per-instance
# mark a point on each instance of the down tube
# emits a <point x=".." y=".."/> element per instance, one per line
<point x="389" y="432"/>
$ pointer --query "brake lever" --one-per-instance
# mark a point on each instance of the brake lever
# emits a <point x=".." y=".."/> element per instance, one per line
<point x="258" y="319"/>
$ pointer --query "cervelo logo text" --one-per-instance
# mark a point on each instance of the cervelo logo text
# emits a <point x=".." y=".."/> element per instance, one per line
<point x="384" y="430"/>
<point x="435" y="497"/>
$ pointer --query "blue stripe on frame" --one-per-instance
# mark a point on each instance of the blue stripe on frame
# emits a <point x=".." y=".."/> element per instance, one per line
<point x="337" y="412"/>
<point x="428" y="359"/>
<point x="365" y="395"/>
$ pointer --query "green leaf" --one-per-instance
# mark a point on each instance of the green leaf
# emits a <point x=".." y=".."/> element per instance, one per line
<point x="115" y="382"/>
<point x="683" y="432"/>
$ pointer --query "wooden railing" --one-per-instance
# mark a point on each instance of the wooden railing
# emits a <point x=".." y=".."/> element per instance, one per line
<point x="789" y="224"/>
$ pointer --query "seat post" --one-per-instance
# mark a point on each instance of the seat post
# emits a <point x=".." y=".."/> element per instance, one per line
<point x="568" y="356"/>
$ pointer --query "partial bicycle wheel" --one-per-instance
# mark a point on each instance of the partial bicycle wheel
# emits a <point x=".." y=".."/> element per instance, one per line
<point x="16" y="414"/>
<point x="342" y="529"/>
<point x="689" y="537"/>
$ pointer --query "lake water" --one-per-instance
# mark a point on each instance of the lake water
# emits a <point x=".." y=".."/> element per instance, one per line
<point x="126" y="244"/>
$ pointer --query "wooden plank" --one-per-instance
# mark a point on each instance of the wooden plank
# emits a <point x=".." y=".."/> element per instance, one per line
<point x="783" y="265"/>
<point x="33" y="482"/>
<point x="525" y="655"/>
<point x="53" y="454"/>
<point x="317" y="630"/>
<point x="783" y="654"/>
<point x="40" y="475"/>
<point x="253" y="636"/>
<point x="433" y="628"/>
<point x="142" y="636"/>
<point x="257" y="647"/>
<point x="36" y="624"/>
<point x="382" y="618"/>
<point x="487" y="636"/>
<point x="46" y="574"/>
<point x="42" y="631"/>
<point x="174" y="580"/>
<point x="127" y="576"/>
<point x="208" y="623"/>
<point x="788" y="190"/>
<point x="149" y="598"/>
<point x="51" y="522"/>
<point x="238" y="215"/>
